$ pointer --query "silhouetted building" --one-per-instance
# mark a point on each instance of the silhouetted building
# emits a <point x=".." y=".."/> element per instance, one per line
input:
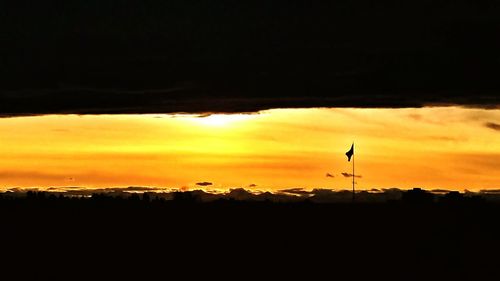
<point x="452" y="197"/>
<point x="417" y="196"/>
<point x="185" y="197"/>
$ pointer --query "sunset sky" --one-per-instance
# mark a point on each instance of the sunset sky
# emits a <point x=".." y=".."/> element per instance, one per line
<point x="91" y="91"/>
<point x="193" y="130"/>
<point x="433" y="147"/>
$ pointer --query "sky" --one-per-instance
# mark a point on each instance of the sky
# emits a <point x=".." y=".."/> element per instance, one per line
<point x="451" y="148"/>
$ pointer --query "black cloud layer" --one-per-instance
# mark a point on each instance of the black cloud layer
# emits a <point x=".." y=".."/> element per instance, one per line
<point x="231" y="56"/>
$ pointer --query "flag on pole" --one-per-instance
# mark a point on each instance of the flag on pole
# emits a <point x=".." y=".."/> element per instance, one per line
<point x="350" y="152"/>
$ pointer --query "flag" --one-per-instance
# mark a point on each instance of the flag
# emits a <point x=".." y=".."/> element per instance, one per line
<point x="350" y="152"/>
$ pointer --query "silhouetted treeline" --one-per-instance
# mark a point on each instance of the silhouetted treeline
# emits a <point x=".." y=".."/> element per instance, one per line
<point x="420" y="237"/>
<point x="413" y="196"/>
<point x="318" y="195"/>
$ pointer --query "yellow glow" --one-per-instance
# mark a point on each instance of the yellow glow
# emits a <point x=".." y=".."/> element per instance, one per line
<point x="441" y="147"/>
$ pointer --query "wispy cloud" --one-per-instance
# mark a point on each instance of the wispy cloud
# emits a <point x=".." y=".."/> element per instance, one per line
<point x="31" y="175"/>
<point x="492" y="125"/>
<point x="348" y="175"/>
<point x="328" y="175"/>
<point x="296" y="191"/>
<point x="204" y="183"/>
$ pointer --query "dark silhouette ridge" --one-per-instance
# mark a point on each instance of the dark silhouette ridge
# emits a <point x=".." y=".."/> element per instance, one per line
<point x="416" y="238"/>
<point x="290" y="195"/>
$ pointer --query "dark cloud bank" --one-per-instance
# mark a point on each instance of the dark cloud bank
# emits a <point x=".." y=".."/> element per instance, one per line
<point x="99" y="56"/>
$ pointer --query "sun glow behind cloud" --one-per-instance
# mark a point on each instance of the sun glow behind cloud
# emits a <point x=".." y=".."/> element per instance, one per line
<point x="442" y="147"/>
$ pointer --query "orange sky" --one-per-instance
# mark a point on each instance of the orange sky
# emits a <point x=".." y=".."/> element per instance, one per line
<point x="439" y="147"/>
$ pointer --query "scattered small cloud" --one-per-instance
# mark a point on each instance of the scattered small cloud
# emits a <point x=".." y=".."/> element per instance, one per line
<point x="204" y="183"/>
<point x="348" y="175"/>
<point x="445" y="138"/>
<point x="491" y="191"/>
<point x="439" y="191"/>
<point x="138" y="188"/>
<point x="415" y="116"/>
<point x="252" y="185"/>
<point x="204" y="115"/>
<point x="328" y="175"/>
<point x="296" y="191"/>
<point x="492" y="125"/>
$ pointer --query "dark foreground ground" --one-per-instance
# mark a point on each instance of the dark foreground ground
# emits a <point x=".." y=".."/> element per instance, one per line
<point x="109" y="238"/>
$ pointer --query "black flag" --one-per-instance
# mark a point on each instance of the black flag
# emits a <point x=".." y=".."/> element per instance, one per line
<point x="350" y="152"/>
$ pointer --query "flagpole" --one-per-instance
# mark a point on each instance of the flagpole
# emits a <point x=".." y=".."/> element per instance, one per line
<point x="353" y="192"/>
